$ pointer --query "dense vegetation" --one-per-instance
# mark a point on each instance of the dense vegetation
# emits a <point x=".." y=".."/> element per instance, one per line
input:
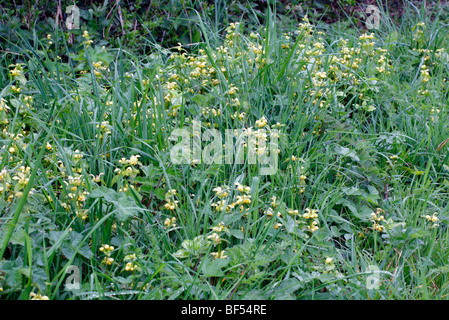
<point x="357" y="207"/>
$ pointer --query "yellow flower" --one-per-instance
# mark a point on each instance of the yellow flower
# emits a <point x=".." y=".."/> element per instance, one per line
<point x="82" y="214"/>
<point x="376" y="216"/>
<point x="3" y="105"/>
<point x="313" y="226"/>
<point x="107" y="249"/>
<point x="277" y="225"/>
<point x="97" y="178"/>
<point x="21" y="178"/>
<point x="262" y="122"/>
<point x="378" y="227"/>
<point x="220" y="192"/>
<point x="219" y="255"/>
<point x="130" y="267"/>
<point x="170" y="193"/>
<point x="433" y="218"/>
<point x="242" y="188"/>
<point x="215" y="238"/>
<point x="269" y="213"/>
<point x="310" y="214"/>
<point x="219" y="228"/>
<point x="134" y="160"/>
<point x="107" y="261"/>
<point x="245" y="199"/>
<point x="170" y="222"/>
<point x="171" y="205"/>
<point x="38" y="296"/>
<point x="219" y="205"/>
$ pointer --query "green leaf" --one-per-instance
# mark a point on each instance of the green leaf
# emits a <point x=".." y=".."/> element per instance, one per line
<point x="212" y="268"/>
<point x="201" y="99"/>
<point x="68" y="241"/>
<point x="12" y="274"/>
<point x="18" y="237"/>
<point x="373" y="195"/>
<point x="194" y="247"/>
<point x="124" y="206"/>
<point x="286" y="288"/>
<point x="345" y="152"/>
<point x="348" y="204"/>
<point x="237" y="233"/>
<point x="415" y="171"/>
<point x="181" y="253"/>
<point x="291" y="225"/>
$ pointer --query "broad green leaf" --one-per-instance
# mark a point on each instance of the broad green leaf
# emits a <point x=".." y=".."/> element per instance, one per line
<point x="213" y="268"/>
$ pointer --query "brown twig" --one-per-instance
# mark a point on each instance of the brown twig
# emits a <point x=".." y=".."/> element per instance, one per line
<point x="121" y="17"/>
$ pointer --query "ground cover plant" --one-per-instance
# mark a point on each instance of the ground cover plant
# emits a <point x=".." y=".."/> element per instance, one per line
<point x="93" y="204"/>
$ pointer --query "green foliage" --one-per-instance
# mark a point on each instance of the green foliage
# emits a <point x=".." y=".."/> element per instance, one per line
<point x="87" y="178"/>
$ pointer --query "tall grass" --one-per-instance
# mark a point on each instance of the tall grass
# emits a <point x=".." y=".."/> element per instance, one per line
<point x="363" y="140"/>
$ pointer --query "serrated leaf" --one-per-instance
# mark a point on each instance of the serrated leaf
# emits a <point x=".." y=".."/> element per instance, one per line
<point x="12" y="275"/>
<point x="212" y="268"/>
<point x="345" y="152"/>
<point x="18" y="237"/>
<point x="124" y="205"/>
<point x="181" y="253"/>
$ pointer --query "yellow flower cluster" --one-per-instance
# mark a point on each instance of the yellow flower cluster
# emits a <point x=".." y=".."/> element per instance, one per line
<point x="87" y="40"/>
<point x="132" y="265"/>
<point x="340" y="69"/>
<point x="425" y="73"/>
<point x="433" y="219"/>
<point x="17" y="71"/>
<point x="221" y="192"/>
<point x="98" y="67"/>
<point x="170" y="202"/>
<point x="418" y="29"/>
<point x="312" y="215"/>
<point x="129" y="171"/>
<point x="22" y="177"/>
<point x="376" y="218"/>
<point x="219" y="254"/>
<point x="38" y="296"/>
<point x="271" y="211"/>
<point x="170" y="222"/>
<point x="77" y="189"/>
<point x="215" y="237"/>
<point x="105" y="129"/>
<point x="240" y="200"/>
<point x="107" y="249"/>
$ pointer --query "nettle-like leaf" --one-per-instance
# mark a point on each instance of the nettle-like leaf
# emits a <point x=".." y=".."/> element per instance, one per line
<point x="195" y="247"/>
<point x="371" y="196"/>
<point x="10" y="272"/>
<point x="69" y="243"/>
<point x="346" y="152"/>
<point x="124" y="206"/>
<point x="213" y="268"/>
<point x="285" y="289"/>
